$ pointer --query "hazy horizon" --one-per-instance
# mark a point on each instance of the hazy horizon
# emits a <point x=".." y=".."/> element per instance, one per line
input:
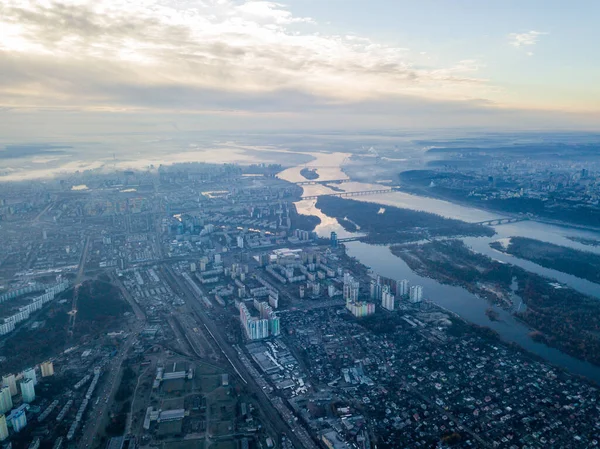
<point x="80" y="67"/>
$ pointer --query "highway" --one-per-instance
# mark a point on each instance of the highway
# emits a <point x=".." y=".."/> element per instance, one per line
<point x="95" y="414"/>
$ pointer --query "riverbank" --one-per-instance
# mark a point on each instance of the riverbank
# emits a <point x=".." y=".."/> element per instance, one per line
<point x="585" y="265"/>
<point x="390" y="224"/>
<point x="456" y="299"/>
<point x="437" y="193"/>
<point x="563" y="317"/>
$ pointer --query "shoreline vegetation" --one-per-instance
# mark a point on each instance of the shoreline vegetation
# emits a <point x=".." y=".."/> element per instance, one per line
<point x="584" y="241"/>
<point x="559" y="316"/>
<point x="395" y="225"/>
<point x="583" y="264"/>
<point x="303" y="222"/>
<point x="309" y="173"/>
<point x="423" y="183"/>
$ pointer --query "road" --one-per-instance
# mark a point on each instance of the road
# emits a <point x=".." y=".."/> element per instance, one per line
<point x="39" y="216"/>
<point x="276" y="420"/>
<point x="139" y="313"/>
<point x="106" y="392"/>
<point x="77" y="282"/>
<point x="131" y="409"/>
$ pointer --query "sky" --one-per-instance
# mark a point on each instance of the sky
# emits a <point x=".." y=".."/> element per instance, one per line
<point x="74" y="67"/>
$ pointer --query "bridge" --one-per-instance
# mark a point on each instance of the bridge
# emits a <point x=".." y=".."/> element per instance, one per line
<point x="501" y="221"/>
<point x="350" y="239"/>
<point x="319" y="181"/>
<point x="349" y="194"/>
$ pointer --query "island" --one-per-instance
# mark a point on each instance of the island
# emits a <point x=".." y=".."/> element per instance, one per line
<point x="309" y="173"/>
<point x="584" y="241"/>
<point x="394" y="224"/>
<point x="583" y="264"/>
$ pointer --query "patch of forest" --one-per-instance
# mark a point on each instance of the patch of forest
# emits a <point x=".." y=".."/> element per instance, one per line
<point x="303" y="222"/>
<point x="583" y="264"/>
<point x="584" y="241"/>
<point x="395" y="225"/>
<point x="563" y="317"/>
<point x="309" y="173"/>
<point x="100" y="309"/>
<point x="98" y="304"/>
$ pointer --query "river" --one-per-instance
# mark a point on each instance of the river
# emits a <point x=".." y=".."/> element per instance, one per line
<point x="455" y="299"/>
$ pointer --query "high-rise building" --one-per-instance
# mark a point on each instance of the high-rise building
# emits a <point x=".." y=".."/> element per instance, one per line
<point x="331" y="290"/>
<point x="29" y="373"/>
<point x="376" y="289"/>
<point x="5" y="399"/>
<point x="240" y="241"/>
<point x="334" y="239"/>
<point x="351" y="288"/>
<point x="360" y="308"/>
<point x="258" y="328"/>
<point x="275" y="326"/>
<point x="3" y="428"/>
<point x="27" y="391"/>
<point x="10" y="382"/>
<point x="416" y="294"/>
<point x="387" y="299"/>
<point x="47" y="369"/>
<point x="19" y="420"/>
<point x="402" y="288"/>
<point x="316" y="289"/>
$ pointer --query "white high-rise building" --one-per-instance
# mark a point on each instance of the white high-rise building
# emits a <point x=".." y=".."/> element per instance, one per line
<point x="27" y="391"/>
<point x="29" y="373"/>
<point x="47" y="369"/>
<point x="240" y="241"/>
<point x="331" y="290"/>
<point x="387" y="299"/>
<point x="376" y="289"/>
<point x="351" y="288"/>
<point x="19" y="420"/>
<point x="402" y="288"/>
<point x="6" y="402"/>
<point x="416" y="294"/>
<point x="3" y="428"/>
<point x="10" y="382"/>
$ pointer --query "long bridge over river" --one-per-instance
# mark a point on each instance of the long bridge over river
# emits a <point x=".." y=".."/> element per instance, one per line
<point x="324" y="181"/>
<point x="502" y="221"/>
<point x="349" y="194"/>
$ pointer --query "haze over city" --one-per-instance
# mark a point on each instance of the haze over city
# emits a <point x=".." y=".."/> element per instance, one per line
<point x="244" y="224"/>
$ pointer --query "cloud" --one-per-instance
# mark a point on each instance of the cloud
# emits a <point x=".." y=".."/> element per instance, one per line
<point x="201" y="55"/>
<point x="525" y="39"/>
